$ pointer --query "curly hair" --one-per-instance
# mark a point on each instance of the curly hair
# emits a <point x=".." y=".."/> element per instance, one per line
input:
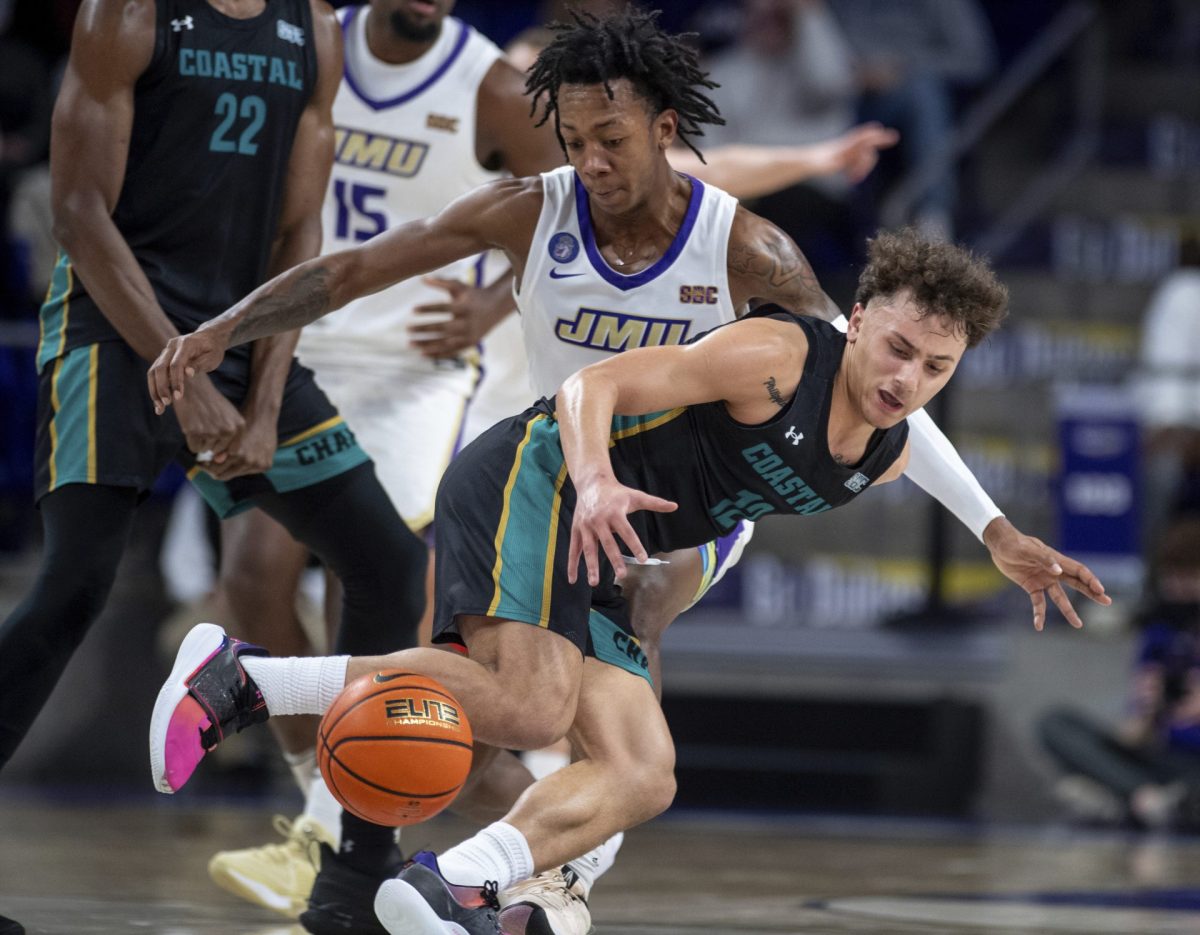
<point x="663" y="69"/>
<point x="944" y="279"/>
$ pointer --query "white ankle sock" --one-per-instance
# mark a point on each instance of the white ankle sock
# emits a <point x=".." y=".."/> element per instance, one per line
<point x="298" y="684"/>
<point x="320" y="806"/>
<point x="499" y="852"/>
<point x="302" y="765"/>
<point x="596" y="862"/>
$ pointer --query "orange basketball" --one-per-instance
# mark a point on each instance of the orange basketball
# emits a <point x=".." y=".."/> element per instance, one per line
<point x="394" y="748"/>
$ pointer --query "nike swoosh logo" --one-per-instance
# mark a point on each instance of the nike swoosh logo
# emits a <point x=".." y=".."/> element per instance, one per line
<point x="381" y="677"/>
<point x="555" y="274"/>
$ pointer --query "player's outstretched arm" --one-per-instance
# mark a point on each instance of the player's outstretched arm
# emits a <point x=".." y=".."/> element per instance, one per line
<point x="766" y="265"/>
<point x="500" y="215"/>
<point x="1040" y="571"/>
<point x="753" y="171"/>
<point x="735" y="364"/>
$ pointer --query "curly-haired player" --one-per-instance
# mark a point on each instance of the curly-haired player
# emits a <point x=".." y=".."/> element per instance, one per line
<point x="614" y="252"/>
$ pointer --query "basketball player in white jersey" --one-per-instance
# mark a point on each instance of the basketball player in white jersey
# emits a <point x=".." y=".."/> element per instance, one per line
<point x="634" y="220"/>
<point x="427" y="110"/>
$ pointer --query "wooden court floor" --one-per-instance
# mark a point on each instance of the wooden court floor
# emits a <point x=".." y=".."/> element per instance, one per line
<point x="138" y="867"/>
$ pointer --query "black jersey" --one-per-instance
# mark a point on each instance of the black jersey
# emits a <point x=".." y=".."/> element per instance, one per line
<point x="215" y="115"/>
<point x="720" y="471"/>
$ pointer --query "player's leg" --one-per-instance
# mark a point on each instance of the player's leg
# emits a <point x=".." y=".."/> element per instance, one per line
<point x="86" y="528"/>
<point x="261" y="567"/>
<point x="99" y="447"/>
<point x="624" y="776"/>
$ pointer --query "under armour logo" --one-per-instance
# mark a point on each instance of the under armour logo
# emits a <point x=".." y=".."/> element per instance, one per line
<point x="793" y="436"/>
<point x="179" y="25"/>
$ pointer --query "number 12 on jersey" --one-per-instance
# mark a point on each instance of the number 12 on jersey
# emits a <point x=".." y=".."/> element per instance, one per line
<point x="359" y="213"/>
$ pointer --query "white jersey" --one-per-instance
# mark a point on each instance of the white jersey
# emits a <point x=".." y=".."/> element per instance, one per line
<point x="576" y="309"/>
<point x="405" y="148"/>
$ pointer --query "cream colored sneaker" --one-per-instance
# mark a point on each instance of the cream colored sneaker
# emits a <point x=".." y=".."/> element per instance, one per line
<point x="278" y="876"/>
<point x="552" y="903"/>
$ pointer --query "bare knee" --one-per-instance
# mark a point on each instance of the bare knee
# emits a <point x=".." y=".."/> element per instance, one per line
<point x="650" y="784"/>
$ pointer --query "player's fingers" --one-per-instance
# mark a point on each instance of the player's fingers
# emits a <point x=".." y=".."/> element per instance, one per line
<point x="180" y="363"/>
<point x="631" y="540"/>
<point x="1038" y="599"/>
<point x="453" y="286"/>
<point x="645" y="501"/>
<point x="613" y="551"/>
<point x="591" y="560"/>
<point x="1082" y="578"/>
<point x="1063" y="603"/>
<point x="573" y="552"/>
<point x="442" y="307"/>
<point x="426" y="330"/>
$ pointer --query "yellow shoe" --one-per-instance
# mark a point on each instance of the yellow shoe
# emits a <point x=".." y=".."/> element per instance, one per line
<point x="278" y="876"/>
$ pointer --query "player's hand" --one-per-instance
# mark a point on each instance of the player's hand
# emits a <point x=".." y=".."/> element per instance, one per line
<point x="602" y="511"/>
<point x="472" y="314"/>
<point x="856" y="152"/>
<point x="182" y="359"/>
<point x="1040" y="570"/>
<point x="252" y="452"/>
<point x="209" y="421"/>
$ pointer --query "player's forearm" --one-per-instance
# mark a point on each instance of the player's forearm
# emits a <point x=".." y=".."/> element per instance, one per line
<point x="271" y="358"/>
<point x="749" y="171"/>
<point x="584" y="406"/>
<point x="936" y="467"/>
<point x="102" y="260"/>
<point x="291" y="300"/>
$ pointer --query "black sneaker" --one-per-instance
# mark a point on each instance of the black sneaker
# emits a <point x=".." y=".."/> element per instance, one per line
<point x="342" y="897"/>
<point x="420" y="901"/>
<point x="9" y="927"/>
<point x="207" y="696"/>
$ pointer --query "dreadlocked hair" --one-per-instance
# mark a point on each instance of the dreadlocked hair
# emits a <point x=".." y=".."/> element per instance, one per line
<point x="663" y="69"/>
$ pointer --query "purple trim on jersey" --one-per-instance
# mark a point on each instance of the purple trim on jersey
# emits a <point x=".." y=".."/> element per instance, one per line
<point x="726" y="543"/>
<point x="607" y="273"/>
<point x="464" y="33"/>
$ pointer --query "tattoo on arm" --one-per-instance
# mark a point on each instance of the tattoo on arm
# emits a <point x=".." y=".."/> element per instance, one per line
<point x="780" y="273"/>
<point x="773" y="392"/>
<point x="303" y="301"/>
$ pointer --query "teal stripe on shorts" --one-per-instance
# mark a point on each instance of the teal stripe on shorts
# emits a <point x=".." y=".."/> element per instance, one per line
<point x="71" y="420"/>
<point x="616" y="647"/>
<point x="526" y="569"/>
<point x="53" y="314"/>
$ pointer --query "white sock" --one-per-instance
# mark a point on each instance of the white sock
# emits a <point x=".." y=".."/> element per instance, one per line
<point x="541" y="763"/>
<point x="320" y="806"/>
<point x="298" y="684"/>
<point x="499" y="852"/>
<point x="302" y="765"/>
<point x="595" y="863"/>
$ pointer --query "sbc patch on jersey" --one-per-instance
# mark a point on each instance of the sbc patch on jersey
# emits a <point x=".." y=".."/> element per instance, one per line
<point x="563" y="247"/>
<point x="289" y="33"/>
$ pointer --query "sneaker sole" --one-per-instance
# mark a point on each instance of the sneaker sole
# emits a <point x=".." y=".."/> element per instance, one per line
<point x="176" y="739"/>
<point x="404" y="911"/>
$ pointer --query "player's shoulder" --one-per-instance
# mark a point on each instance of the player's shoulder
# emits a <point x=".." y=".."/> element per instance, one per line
<point x="114" y="38"/>
<point x="752" y="231"/>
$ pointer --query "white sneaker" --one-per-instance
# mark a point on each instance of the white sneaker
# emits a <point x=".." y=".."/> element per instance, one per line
<point x="278" y="876"/>
<point x="552" y="903"/>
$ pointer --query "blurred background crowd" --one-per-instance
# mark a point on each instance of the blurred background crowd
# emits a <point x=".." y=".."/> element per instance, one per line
<point x="1062" y="138"/>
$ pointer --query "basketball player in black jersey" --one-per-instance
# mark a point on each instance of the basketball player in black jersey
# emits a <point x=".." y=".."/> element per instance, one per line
<point x="652" y="450"/>
<point x="192" y="141"/>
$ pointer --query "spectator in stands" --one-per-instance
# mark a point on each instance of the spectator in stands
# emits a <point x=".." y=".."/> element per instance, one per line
<point x="909" y="60"/>
<point x="1168" y="393"/>
<point x="789" y="79"/>
<point x="1146" y="769"/>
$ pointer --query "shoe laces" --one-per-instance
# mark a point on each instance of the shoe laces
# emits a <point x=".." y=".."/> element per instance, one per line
<point x="490" y="893"/>
<point x="550" y="888"/>
<point x="300" y="835"/>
